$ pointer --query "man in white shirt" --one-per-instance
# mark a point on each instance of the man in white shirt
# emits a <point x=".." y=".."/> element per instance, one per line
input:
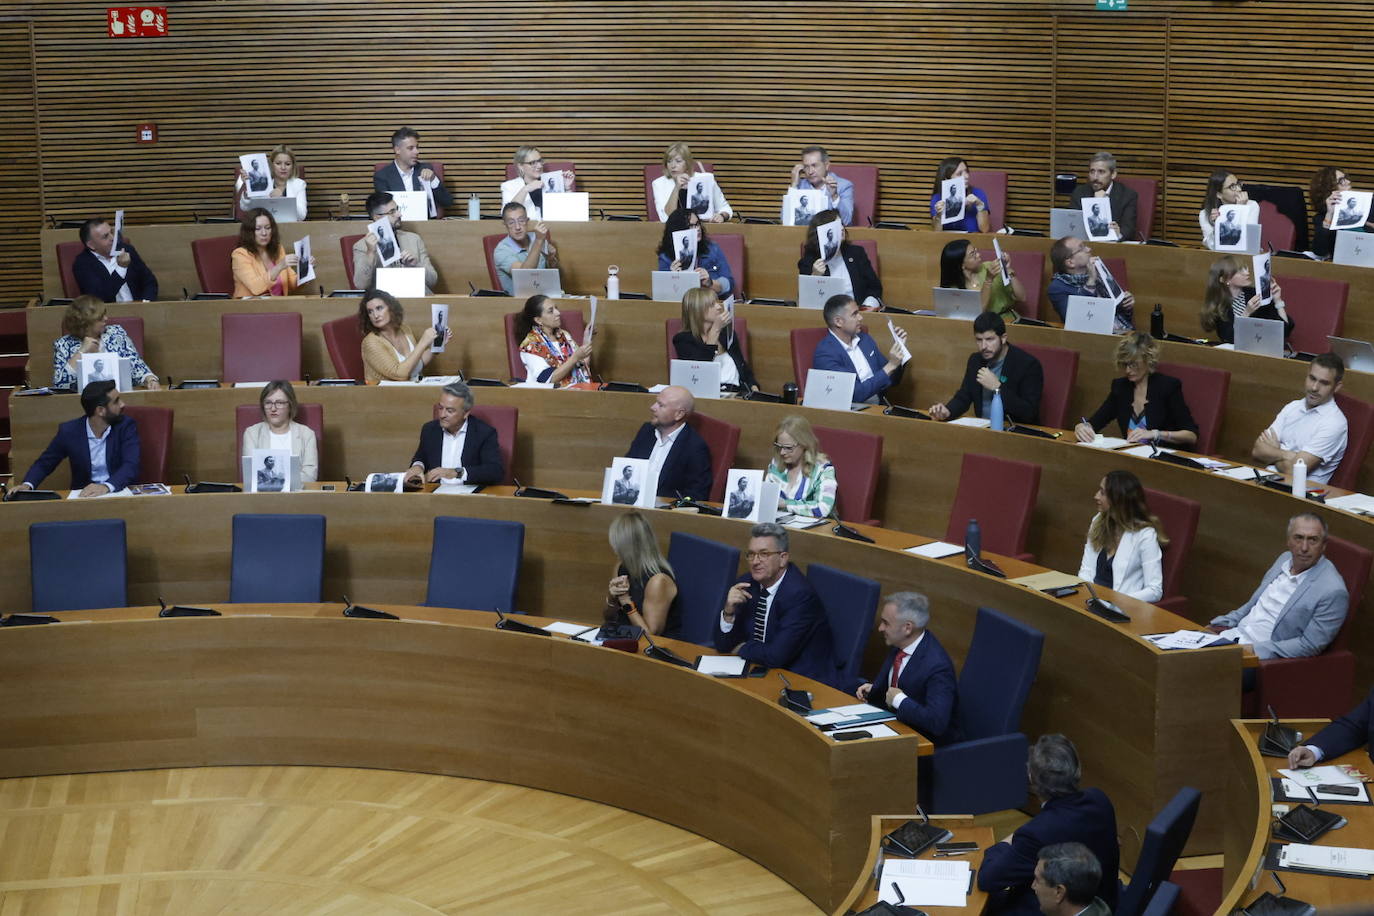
<point x="456" y="446"/>
<point x="366" y="257"/>
<point x="849" y="348"/>
<point x="1300" y="604"/>
<point x="1312" y="428"/>
<point x="408" y="173"/>
<point x="679" y="459"/>
<point x="916" y="680"/>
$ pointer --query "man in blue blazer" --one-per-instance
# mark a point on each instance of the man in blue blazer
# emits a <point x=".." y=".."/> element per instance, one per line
<point x="849" y="348"/>
<point x="677" y="454"/>
<point x="102" y="446"/>
<point x="408" y="173"/>
<point x="814" y="172"/>
<point x="772" y="616"/>
<point x="923" y="692"/>
<point x="115" y="275"/>
<point x="456" y="446"/>
<point x="1068" y="815"/>
<point x="1300" y="604"/>
<point x="1347" y="733"/>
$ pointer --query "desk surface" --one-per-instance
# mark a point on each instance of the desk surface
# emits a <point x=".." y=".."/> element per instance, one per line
<point x="865" y="891"/>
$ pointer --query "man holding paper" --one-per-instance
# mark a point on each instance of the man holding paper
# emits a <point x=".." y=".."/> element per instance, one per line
<point x="1102" y="183"/>
<point x="849" y="348"/>
<point x="519" y="250"/>
<point x="916" y="680"/>
<point x="456" y="446"/>
<point x="102" y="446"/>
<point x="1346" y="734"/>
<point x="113" y="274"/>
<point x="996" y="366"/>
<point x="367" y="258"/>
<point x="814" y="172"/>
<point x="678" y="457"/>
<point x="1076" y="274"/>
<point x="408" y="173"/>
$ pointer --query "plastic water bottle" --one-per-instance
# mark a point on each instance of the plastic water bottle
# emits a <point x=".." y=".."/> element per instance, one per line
<point x="1300" y="479"/>
<point x="474" y="207"/>
<point x="973" y="538"/>
<point x="612" y="282"/>
<point x="997" y="414"/>
<point x="1157" y="323"/>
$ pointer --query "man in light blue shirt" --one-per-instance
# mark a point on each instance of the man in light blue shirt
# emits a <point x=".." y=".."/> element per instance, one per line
<point x="814" y="172"/>
<point x="521" y="250"/>
<point x="103" y="449"/>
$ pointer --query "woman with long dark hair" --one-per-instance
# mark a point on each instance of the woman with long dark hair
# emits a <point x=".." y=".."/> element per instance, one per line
<point x="975" y="217"/>
<point x="1124" y="540"/>
<point x="712" y="267"/>
<point x="547" y="350"/>
<point x="1231" y="294"/>
<point x="853" y="264"/>
<point x="962" y="267"/>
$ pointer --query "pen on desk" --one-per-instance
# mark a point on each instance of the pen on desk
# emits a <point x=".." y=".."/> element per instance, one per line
<point x="954" y="852"/>
<point x="1315" y="802"/>
<point x="1283" y="889"/>
<point x="901" y="898"/>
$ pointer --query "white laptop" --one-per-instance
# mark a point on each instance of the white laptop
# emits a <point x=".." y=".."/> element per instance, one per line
<point x="1090" y="314"/>
<point x="401" y="282"/>
<point x="700" y="378"/>
<point x="1262" y="336"/>
<point x="567" y="207"/>
<point x="1357" y="354"/>
<point x="672" y="285"/>
<point x="830" y="390"/>
<point x="283" y="209"/>
<point x="535" y="281"/>
<point x="413" y="205"/>
<point x="965" y="304"/>
<point x="1354" y="248"/>
<point x="1066" y="221"/>
<point x="812" y="291"/>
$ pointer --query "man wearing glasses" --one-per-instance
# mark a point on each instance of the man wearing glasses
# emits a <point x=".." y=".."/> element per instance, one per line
<point x="519" y="250"/>
<point x="526" y="188"/>
<point x="772" y="616"/>
<point x="1075" y="274"/>
<point x="366" y="257"/>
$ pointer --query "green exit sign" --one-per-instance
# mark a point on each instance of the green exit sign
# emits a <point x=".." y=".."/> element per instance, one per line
<point x="1111" y="4"/>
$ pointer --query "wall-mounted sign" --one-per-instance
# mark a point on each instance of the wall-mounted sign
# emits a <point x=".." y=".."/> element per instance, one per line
<point x="1111" y="4"/>
<point x="137" y="21"/>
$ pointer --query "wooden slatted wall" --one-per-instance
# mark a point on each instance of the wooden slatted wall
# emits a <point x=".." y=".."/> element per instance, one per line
<point x="1030" y="86"/>
<point x="20" y="261"/>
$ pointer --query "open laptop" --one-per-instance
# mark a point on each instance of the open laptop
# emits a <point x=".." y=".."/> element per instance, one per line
<point x="414" y="205"/>
<point x="1065" y="221"/>
<point x="401" y="282"/>
<point x="1354" y="248"/>
<point x="829" y="389"/>
<point x="567" y="207"/>
<point x="812" y="291"/>
<point x="672" y="285"/>
<point x="532" y="281"/>
<point x="965" y="304"/>
<point x="1090" y="314"/>
<point x="1262" y="336"/>
<point x="700" y="378"/>
<point x="1357" y="354"/>
<point x="283" y="209"/>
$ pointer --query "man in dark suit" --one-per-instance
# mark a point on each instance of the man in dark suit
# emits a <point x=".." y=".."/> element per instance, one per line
<point x="677" y="454"/>
<point x="916" y="680"/>
<point x="408" y="173"/>
<point x="456" y="446"/>
<point x="996" y="366"/>
<point x="1102" y="183"/>
<point x="102" y="446"/>
<point x="113" y="276"/>
<point x="772" y="616"/>
<point x="1348" y="733"/>
<point x="1068" y="815"/>
<point x="849" y="348"/>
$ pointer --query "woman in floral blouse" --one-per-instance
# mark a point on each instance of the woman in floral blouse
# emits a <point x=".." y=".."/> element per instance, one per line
<point x="87" y="330"/>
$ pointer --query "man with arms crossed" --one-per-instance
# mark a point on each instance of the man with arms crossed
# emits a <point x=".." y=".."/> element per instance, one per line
<point x="814" y="172"/>
<point x="849" y="348"/>
<point x="456" y="446"/>
<point x="102" y="447"/>
<point x="1312" y="428"/>
<point x="916" y="680"/>
<point x="366" y="257"/>
<point x="996" y="366"/>
<point x="679" y="458"/>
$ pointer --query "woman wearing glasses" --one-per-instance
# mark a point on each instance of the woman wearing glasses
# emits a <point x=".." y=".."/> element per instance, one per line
<point x="1224" y="188"/>
<point x="805" y="476"/>
<point x="526" y="188"/>
<point x="279" y="429"/>
<point x="1325" y="199"/>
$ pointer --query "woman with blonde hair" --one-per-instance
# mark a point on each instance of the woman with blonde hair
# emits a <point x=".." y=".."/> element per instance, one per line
<point x="1231" y="294"/>
<point x="805" y="476"/>
<point x="1147" y="405"/>
<point x="708" y="336"/>
<point x="286" y="180"/>
<point x="86" y="329"/>
<point x="642" y="591"/>
<point x="1124" y="540"/>
<point x="670" y="188"/>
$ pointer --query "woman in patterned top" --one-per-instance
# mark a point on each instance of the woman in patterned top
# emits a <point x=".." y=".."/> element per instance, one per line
<point x="87" y="330"/>
<point x="548" y="352"/>
<point x="805" y="476"/>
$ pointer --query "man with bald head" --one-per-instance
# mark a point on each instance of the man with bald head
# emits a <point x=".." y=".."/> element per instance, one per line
<point x="678" y="456"/>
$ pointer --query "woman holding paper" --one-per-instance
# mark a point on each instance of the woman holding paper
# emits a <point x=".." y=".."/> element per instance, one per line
<point x="1224" y="188"/>
<point x="1124" y="540"/>
<point x="708" y="335"/>
<point x="279" y="429"/>
<point x="975" y="202"/>
<point x="1146" y="405"/>
<point x="285" y="180"/>
<point x="86" y="329"/>
<point x="670" y="188"/>
<point x="260" y="263"/>
<point x="1325" y="198"/>
<point x="963" y="267"/>
<point x="1231" y="295"/>
<point x="712" y="267"/>
<point x="805" y="476"/>
<point x="548" y="352"/>
<point x="390" y="350"/>
<point x="851" y="263"/>
<point x="642" y="590"/>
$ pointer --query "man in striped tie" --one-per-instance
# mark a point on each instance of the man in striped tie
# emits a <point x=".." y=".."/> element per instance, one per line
<point x="772" y="616"/>
<point x="916" y="680"/>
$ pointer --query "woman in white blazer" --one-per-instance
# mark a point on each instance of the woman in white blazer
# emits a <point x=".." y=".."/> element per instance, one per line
<point x="670" y="188"/>
<point x="1124" y="540"/>
<point x="278" y="429"/>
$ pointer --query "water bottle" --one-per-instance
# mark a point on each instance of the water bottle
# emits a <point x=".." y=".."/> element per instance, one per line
<point x="474" y="207"/>
<point x="973" y="538"/>
<point x="997" y="414"/>
<point x="612" y="282"/>
<point x="1157" y="323"/>
<point x="1300" y="479"/>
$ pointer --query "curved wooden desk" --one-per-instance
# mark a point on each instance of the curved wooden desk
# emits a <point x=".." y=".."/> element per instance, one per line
<point x="444" y="692"/>
<point x="865" y="891"/>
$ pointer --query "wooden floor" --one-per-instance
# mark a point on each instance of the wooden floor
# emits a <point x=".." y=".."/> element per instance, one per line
<point x="286" y="840"/>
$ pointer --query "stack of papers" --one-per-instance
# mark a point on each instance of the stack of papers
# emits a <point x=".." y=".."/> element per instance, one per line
<point x="924" y="882"/>
<point x="851" y="716"/>
<point x="1354" y="502"/>
<point x="935" y="550"/>
<point x="1106" y="442"/>
<point x="1241" y="473"/>
<point x="971" y="421"/>
<point x="1331" y="775"/>
<point x="1345" y="860"/>
<point x="1186" y="639"/>
<point x="721" y="665"/>
<point x="1293" y="791"/>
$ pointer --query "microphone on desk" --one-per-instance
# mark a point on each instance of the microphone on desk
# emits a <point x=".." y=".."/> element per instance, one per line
<point x="799" y="701"/>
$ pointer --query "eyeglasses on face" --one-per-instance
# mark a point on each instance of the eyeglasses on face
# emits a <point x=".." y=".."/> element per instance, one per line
<point x="784" y="448"/>
<point x="517" y="221"/>
<point x="272" y="405"/>
<point x="761" y="554"/>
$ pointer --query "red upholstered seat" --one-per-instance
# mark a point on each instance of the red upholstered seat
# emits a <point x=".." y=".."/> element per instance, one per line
<point x="346" y="244"/>
<point x="1204" y="388"/>
<point x="245" y="415"/>
<point x="865" y="178"/>
<point x="260" y="346"/>
<point x="1179" y="517"/>
<point x="1148" y="191"/>
<point x="1060" y="365"/>
<point x="857" y="457"/>
<point x="723" y="441"/>
<point x="345" y="345"/>
<point x="211" y="257"/>
<point x="1001" y="494"/>
<point x="438" y="171"/>
<point x="573" y="323"/>
<point x="154" y="441"/>
<point x="804" y="341"/>
<point x="673" y="326"/>
<point x="66" y="256"/>
<point x="133" y="326"/>
<point x="736" y="255"/>
<point x="1317" y="308"/>
<point x="1359" y="419"/>
<point x="489" y="243"/>
<point x="1276" y="230"/>
<point x="654" y="170"/>
<point x="993" y="183"/>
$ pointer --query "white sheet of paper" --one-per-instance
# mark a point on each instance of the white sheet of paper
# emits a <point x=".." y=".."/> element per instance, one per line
<point x="904" y="352"/>
<point x="438" y="319"/>
<point x="1243" y="472"/>
<point x="935" y="550"/>
<point x="1353" y="502"/>
<point x="1183" y="639"/>
<point x="257" y="181"/>
<point x="685" y="242"/>
<point x="1293" y="789"/>
<point x="856" y="709"/>
<point x="1328" y="775"/>
<point x="828" y="238"/>
<point x="722" y="665"/>
<point x="553" y="183"/>
<point x="1110" y="286"/>
<point x="382" y="230"/>
<point x="978" y="422"/>
<point x="1098" y="227"/>
<point x="118" y="228"/>
<point x="1106" y="442"/>
<point x="1264" y="280"/>
<point x="826" y="718"/>
<point x="566" y="629"/>
<point x="701" y="197"/>
<point x="455" y="488"/>
<point x="1146" y="451"/>
<point x="591" y="326"/>
<point x="76" y="494"/>
<point x="1230" y="228"/>
<point x="304" y="269"/>
<point x="925" y="882"/>
<point x="1329" y="858"/>
<point x="1003" y="262"/>
<point x="1353" y="210"/>
<point x="954" y="192"/>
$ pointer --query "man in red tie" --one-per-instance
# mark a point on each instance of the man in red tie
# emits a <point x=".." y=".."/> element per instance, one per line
<point x="916" y="680"/>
